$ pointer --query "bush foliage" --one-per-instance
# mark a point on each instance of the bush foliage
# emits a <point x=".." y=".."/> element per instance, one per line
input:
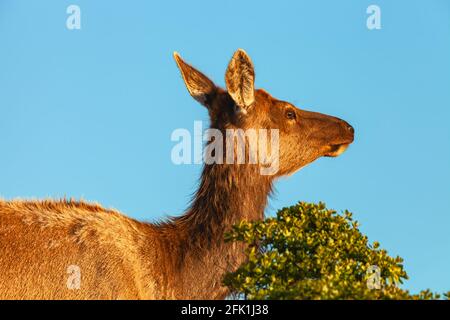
<point x="310" y="252"/>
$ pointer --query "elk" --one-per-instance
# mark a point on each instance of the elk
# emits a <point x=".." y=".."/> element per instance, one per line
<point x="184" y="257"/>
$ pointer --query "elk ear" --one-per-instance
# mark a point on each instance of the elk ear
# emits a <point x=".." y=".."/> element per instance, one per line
<point x="198" y="85"/>
<point x="240" y="79"/>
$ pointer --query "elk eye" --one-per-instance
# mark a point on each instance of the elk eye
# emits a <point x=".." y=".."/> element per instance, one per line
<point x="290" y="114"/>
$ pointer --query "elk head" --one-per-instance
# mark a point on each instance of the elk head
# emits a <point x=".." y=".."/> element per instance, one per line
<point x="303" y="136"/>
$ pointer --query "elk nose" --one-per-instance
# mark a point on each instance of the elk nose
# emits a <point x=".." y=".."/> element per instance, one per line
<point x="350" y="128"/>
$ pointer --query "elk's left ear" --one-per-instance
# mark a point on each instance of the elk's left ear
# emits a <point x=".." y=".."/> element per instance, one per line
<point x="198" y="85"/>
<point x="240" y="79"/>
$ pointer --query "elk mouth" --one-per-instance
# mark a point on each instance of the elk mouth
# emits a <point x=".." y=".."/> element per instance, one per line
<point x="335" y="150"/>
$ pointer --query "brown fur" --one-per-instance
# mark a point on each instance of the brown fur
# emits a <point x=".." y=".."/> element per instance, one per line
<point x="184" y="257"/>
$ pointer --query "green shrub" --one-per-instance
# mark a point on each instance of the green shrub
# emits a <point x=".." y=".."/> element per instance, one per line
<point x="310" y="252"/>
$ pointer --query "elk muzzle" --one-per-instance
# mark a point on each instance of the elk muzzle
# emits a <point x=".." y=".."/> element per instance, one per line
<point x="347" y="134"/>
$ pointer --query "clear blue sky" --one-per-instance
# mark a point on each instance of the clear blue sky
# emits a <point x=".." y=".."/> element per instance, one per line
<point x="89" y="113"/>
